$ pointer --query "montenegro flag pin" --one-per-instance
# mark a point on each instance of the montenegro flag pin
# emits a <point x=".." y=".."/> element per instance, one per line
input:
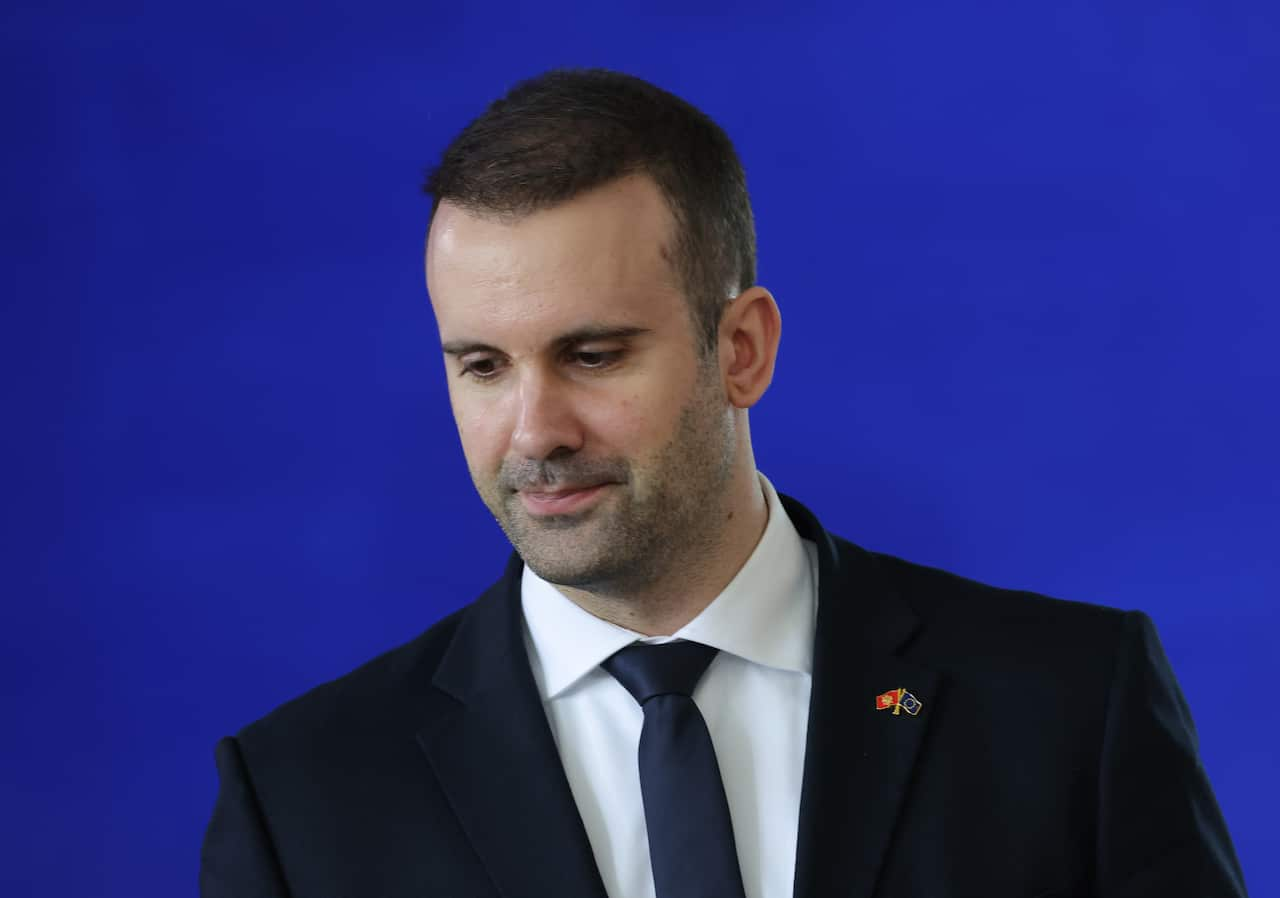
<point x="899" y="700"/>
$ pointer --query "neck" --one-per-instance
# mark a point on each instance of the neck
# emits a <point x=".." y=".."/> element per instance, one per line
<point x="679" y="592"/>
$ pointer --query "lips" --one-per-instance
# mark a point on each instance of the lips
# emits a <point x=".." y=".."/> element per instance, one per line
<point x="564" y="500"/>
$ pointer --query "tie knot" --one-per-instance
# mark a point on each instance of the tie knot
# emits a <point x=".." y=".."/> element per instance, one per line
<point x="669" y="668"/>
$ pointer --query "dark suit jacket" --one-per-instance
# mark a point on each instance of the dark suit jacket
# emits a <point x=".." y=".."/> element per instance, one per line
<point x="1053" y="756"/>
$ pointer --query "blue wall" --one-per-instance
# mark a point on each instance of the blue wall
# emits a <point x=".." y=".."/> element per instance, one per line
<point x="1028" y="256"/>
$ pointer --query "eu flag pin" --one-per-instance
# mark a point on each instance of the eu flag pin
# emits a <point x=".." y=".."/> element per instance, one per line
<point x="899" y="700"/>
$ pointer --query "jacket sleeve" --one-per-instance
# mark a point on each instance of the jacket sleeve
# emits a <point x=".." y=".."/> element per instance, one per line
<point x="238" y="859"/>
<point x="1160" y="831"/>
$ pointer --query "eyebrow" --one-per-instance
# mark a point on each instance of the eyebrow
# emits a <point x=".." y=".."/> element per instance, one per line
<point x="587" y="334"/>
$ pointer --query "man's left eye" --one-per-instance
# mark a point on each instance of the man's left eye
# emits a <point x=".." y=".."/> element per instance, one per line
<point x="595" y="359"/>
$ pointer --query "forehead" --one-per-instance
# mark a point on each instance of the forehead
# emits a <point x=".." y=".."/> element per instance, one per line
<point x="608" y="247"/>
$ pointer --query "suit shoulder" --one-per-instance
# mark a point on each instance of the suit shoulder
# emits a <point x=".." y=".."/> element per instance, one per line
<point x="993" y="625"/>
<point x="367" y="697"/>
<point x="935" y="589"/>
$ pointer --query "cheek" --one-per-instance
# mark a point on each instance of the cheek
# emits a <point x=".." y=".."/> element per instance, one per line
<point x="480" y="430"/>
<point x="631" y="425"/>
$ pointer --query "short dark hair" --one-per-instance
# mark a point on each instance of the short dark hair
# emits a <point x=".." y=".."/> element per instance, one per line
<point x="562" y="133"/>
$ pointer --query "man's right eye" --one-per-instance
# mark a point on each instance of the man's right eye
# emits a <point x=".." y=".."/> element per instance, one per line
<point x="480" y="369"/>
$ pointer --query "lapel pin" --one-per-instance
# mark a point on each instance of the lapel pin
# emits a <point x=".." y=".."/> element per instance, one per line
<point x="899" y="700"/>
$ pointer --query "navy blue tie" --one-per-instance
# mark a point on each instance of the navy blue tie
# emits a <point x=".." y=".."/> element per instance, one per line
<point x="686" y="815"/>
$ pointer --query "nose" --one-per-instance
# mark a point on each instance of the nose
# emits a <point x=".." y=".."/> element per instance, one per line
<point x="546" y="421"/>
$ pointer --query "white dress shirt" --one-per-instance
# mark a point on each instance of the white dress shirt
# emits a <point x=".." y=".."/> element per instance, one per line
<point x="754" y="696"/>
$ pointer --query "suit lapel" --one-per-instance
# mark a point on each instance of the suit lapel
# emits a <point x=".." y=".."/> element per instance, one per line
<point x="497" y="762"/>
<point x="858" y="760"/>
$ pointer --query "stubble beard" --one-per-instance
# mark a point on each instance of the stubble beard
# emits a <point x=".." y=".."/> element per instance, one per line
<point x="649" y="528"/>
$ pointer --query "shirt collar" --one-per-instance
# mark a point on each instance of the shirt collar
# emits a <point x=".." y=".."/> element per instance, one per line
<point x="765" y="615"/>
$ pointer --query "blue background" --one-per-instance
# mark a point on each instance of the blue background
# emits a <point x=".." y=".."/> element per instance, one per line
<point x="1028" y="257"/>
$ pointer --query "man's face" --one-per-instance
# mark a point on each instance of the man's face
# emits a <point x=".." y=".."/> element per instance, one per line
<point x="594" y="432"/>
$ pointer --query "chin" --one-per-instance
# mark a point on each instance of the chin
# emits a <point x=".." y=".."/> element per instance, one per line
<point x="551" y="547"/>
<point x="565" y="564"/>
<point x="564" y="572"/>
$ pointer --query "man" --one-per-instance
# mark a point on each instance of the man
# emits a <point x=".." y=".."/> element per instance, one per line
<point x="684" y="685"/>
